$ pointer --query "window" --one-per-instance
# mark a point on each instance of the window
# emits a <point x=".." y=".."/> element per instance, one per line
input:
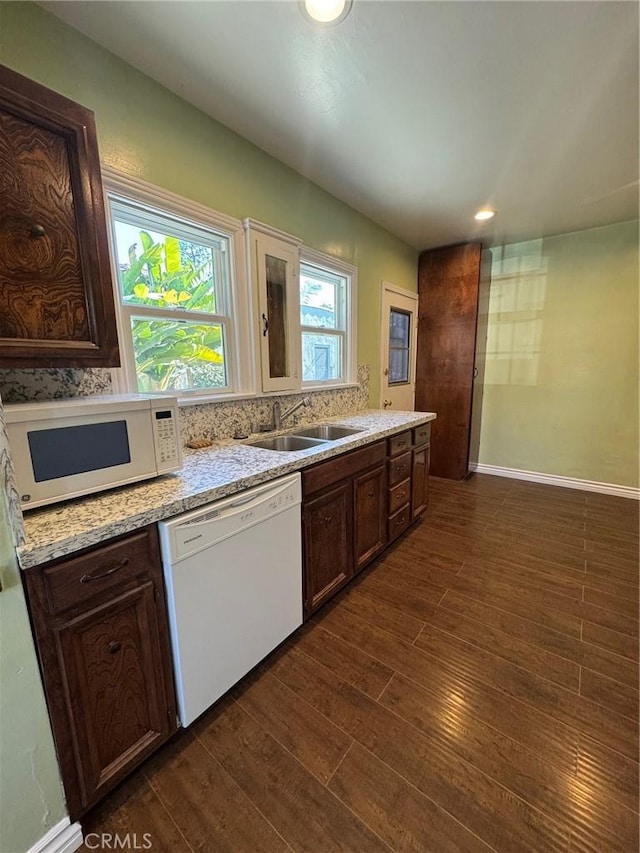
<point x="327" y="319"/>
<point x="399" y="346"/>
<point x="176" y="294"/>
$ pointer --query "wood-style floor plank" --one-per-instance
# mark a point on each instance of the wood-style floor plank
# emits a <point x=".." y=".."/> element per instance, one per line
<point x="310" y="737"/>
<point x="404" y="817"/>
<point x="301" y="809"/>
<point x="208" y="807"/>
<point x="581" y="653"/>
<point x="485" y="807"/>
<point x="475" y="689"/>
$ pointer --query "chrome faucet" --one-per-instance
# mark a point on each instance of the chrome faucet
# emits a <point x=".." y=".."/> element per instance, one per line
<point x="279" y="415"/>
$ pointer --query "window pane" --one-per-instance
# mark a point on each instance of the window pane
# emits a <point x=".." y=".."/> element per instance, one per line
<point x="176" y="355"/>
<point x="320" y="295"/>
<point x="398" y="365"/>
<point x="157" y="268"/>
<point x="321" y="357"/>
<point x="398" y="328"/>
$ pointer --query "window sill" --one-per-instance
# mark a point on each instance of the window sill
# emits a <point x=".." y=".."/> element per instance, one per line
<point x="328" y="386"/>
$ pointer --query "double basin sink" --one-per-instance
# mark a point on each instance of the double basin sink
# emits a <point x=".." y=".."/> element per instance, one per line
<point x="305" y="438"/>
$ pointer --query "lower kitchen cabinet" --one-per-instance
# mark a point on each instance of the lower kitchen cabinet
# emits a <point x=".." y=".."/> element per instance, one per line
<point x="420" y="481"/>
<point x="370" y="533"/>
<point x="344" y="515"/>
<point x="102" y="638"/>
<point x="328" y="538"/>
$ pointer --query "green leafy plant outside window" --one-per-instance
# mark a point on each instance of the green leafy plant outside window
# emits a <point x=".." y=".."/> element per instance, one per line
<point x="172" y="353"/>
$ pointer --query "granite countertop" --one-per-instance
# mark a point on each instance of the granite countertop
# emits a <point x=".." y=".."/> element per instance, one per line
<point x="207" y="475"/>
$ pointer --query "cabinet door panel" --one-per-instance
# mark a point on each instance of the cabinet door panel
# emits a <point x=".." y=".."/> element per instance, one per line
<point x="369" y="515"/>
<point x="56" y="299"/>
<point x="112" y="667"/>
<point x="420" y="481"/>
<point x="328" y="544"/>
<point x="276" y="272"/>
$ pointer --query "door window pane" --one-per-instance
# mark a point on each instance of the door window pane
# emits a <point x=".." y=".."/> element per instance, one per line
<point x="399" y="341"/>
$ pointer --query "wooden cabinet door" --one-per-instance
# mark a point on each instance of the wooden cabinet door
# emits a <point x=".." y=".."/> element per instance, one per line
<point x="56" y="298"/>
<point x="420" y="481"/>
<point x="370" y="515"/>
<point x="111" y="663"/>
<point x="102" y="638"/>
<point x="328" y="544"/>
<point x="449" y="286"/>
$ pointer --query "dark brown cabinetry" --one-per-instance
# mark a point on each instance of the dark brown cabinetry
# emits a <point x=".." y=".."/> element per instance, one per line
<point x="452" y="283"/>
<point x="408" y="478"/>
<point x="56" y="299"/>
<point x="420" y="479"/>
<point x="102" y="639"/>
<point x="370" y="516"/>
<point x="327" y="544"/>
<point x="344" y="512"/>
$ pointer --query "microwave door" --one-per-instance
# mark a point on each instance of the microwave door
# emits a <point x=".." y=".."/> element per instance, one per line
<point x="64" y="458"/>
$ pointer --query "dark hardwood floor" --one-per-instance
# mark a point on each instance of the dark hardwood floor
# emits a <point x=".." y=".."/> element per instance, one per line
<point x="476" y="689"/>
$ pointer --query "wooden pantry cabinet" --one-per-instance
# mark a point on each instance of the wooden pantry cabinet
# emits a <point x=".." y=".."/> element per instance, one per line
<point x="102" y="639"/>
<point x="56" y="298"/>
<point x="453" y="284"/>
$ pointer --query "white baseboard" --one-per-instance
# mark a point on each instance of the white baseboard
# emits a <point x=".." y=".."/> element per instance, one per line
<point x="557" y="480"/>
<point x="64" y="837"/>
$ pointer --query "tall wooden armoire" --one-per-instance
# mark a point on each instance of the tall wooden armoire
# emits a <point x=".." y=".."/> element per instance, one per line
<point x="452" y="283"/>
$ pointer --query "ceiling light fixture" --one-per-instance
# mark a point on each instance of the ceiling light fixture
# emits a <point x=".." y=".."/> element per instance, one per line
<point x="326" y="11"/>
<point x="484" y="214"/>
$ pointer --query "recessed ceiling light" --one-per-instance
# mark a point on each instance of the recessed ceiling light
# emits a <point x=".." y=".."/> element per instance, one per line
<point x="327" y="11"/>
<point x="484" y="213"/>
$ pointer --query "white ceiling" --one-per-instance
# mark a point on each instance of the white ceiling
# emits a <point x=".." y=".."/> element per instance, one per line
<point x="415" y="113"/>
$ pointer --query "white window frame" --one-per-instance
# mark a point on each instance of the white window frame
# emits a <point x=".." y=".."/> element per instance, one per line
<point x="348" y="334"/>
<point x="237" y="327"/>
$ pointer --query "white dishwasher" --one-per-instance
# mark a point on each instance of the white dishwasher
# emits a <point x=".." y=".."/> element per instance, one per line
<point x="233" y="571"/>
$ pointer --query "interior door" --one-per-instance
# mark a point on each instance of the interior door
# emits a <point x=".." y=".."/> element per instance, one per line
<point x="398" y="337"/>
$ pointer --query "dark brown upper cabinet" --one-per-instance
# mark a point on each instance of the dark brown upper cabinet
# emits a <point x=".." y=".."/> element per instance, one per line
<point x="56" y="299"/>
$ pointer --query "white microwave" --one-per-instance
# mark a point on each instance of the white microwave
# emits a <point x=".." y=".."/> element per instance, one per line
<point x="63" y="449"/>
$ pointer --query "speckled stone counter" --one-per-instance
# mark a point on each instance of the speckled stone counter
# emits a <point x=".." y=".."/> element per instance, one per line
<point x="207" y="475"/>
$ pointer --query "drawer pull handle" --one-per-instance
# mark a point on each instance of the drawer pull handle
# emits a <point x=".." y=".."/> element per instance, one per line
<point x="112" y="571"/>
<point x="114" y="647"/>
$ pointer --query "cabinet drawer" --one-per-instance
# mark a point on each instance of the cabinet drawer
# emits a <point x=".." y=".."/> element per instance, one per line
<point x="421" y="434"/>
<point x="399" y="522"/>
<point x="399" y="468"/>
<point x="327" y="473"/>
<point x="399" y="443"/>
<point x="106" y="568"/>
<point x="399" y="496"/>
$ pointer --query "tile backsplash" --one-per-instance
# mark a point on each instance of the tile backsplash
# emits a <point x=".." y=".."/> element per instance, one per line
<point x="22" y="386"/>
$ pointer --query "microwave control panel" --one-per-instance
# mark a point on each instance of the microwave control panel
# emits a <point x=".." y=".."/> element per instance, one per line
<point x="166" y="440"/>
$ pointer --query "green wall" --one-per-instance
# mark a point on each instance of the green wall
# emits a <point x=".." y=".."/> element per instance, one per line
<point x="31" y="799"/>
<point x="146" y="131"/>
<point x="561" y="376"/>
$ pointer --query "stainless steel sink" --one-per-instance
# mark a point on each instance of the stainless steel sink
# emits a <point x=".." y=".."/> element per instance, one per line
<point x="327" y="432"/>
<point x="286" y="443"/>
